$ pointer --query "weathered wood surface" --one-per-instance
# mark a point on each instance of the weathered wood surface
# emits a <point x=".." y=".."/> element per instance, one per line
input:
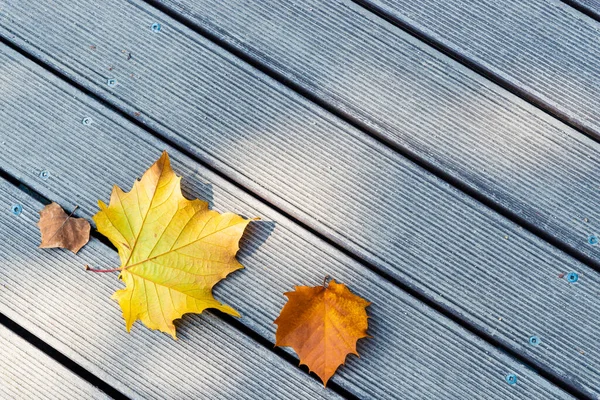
<point x="415" y="352"/>
<point x="446" y="115"/>
<point x="589" y="6"/>
<point x="319" y="169"/>
<point x="28" y="373"/>
<point x="50" y="294"/>
<point x="544" y="48"/>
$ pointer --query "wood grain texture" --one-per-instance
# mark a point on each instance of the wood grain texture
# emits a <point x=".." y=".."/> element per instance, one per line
<point x="590" y="6"/>
<point x="414" y="352"/>
<point x="451" y="118"/>
<point x="27" y="373"/>
<point x="49" y="293"/>
<point x="543" y="47"/>
<point x="293" y="154"/>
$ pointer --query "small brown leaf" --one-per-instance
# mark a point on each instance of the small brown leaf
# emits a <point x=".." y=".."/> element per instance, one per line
<point x="322" y="324"/>
<point x="60" y="230"/>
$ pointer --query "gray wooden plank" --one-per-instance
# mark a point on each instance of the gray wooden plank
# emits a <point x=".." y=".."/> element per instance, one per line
<point x="544" y="47"/>
<point x="590" y="6"/>
<point x="414" y="353"/>
<point x="246" y="134"/>
<point x="425" y="103"/>
<point x="28" y="373"/>
<point x="51" y="295"/>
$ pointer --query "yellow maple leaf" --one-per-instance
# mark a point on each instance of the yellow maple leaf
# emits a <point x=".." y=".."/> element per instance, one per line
<point x="172" y="250"/>
<point x="322" y="324"/>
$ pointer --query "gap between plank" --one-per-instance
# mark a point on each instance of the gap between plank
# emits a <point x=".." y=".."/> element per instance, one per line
<point x="106" y="387"/>
<point x="410" y="289"/>
<point x="478" y="68"/>
<point x="61" y="358"/>
<point x="405" y="152"/>
<point x="582" y="9"/>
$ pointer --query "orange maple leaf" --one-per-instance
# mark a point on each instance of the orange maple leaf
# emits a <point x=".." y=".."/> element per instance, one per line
<point x="322" y="324"/>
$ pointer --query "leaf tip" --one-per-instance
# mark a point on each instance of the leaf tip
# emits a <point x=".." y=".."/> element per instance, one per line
<point x="164" y="161"/>
<point x="235" y="313"/>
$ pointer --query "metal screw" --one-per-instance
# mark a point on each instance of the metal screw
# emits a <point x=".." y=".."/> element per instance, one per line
<point x="155" y="27"/>
<point x="86" y="121"/>
<point x="572" y="277"/>
<point x="511" y="379"/>
<point x="112" y="82"/>
<point x="45" y="174"/>
<point x="593" y="240"/>
<point x="534" y="340"/>
<point x="16" y="209"/>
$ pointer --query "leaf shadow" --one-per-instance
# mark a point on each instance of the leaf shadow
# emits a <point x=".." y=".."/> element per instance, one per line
<point x="255" y="236"/>
<point x="256" y="233"/>
<point x="198" y="190"/>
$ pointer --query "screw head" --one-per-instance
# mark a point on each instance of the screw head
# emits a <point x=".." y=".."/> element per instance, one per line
<point x="111" y="82"/>
<point x="16" y="209"/>
<point x="87" y="121"/>
<point x="593" y="240"/>
<point x="572" y="277"/>
<point x="511" y="379"/>
<point x="45" y="174"/>
<point x="534" y="341"/>
<point x="155" y="27"/>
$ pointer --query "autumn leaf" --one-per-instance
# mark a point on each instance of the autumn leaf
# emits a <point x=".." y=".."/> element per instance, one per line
<point x="61" y="230"/>
<point x="172" y="250"/>
<point x="322" y="324"/>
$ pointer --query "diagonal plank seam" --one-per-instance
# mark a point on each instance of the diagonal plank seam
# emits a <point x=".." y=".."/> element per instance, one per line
<point x="479" y="69"/>
<point x="61" y="358"/>
<point x="406" y="287"/>
<point x="372" y="133"/>
<point x="582" y="9"/>
<point x="412" y="291"/>
<point x="106" y="387"/>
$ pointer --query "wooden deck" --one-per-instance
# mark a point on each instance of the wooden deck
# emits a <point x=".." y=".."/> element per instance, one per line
<point x="442" y="158"/>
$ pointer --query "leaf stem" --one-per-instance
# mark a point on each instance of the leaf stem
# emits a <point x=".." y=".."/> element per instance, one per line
<point x="88" y="268"/>
<point x="73" y="212"/>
